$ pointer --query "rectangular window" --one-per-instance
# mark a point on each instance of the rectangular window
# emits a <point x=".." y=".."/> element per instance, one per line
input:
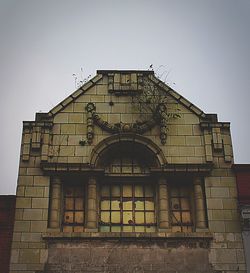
<point x="127" y="208"/>
<point x="180" y="208"/>
<point x="73" y="214"/>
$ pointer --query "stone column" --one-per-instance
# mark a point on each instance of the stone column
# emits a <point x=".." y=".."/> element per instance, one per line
<point x="163" y="198"/>
<point x="92" y="208"/>
<point x="200" y="214"/>
<point x="55" y="204"/>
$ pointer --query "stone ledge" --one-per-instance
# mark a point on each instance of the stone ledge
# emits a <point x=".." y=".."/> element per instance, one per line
<point x="135" y="235"/>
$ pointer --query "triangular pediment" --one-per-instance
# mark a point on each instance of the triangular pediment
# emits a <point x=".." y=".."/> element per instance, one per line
<point x="134" y="75"/>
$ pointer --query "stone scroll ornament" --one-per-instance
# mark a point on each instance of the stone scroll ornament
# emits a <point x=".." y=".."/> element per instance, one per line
<point x="160" y="117"/>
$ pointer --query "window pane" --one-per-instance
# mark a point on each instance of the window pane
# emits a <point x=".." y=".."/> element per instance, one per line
<point x="104" y="228"/>
<point x="78" y="229"/>
<point x="79" y="217"/>
<point x="115" y="217"/>
<point x="105" y="191"/>
<point x="148" y="191"/>
<point x="139" y="228"/>
<point x="105" y="205"/>
<point x="68" y="217"/>
<point x="139" y="217"/>
<point x="175" y="204"/>
<point x="127" y="228"/>
<point x="69" y="203"/>
<point x="105" y="217"/>
<point x="127" y="190"/>
<point x="115" y="205"/>
<point x="149" y="205"/>
<point x="127" y="217"/>
<point x="116" y="229"/>
<point x="185" y="204"/>
<point x="115" y="191"/>
<point x="138" y="191"/>
<point x="186" y="217"/>
<point x="150" y="217"/>
<point x="127" y="205"/>
<point x="150" y="229"/>
<point x="79" y="204"/>
<point x="176" y="229"/>
<point x="139" y="205"/>
<point x="176" y="217"/>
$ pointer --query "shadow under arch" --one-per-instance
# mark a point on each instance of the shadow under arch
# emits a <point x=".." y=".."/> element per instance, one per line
<point x="139" y="145"/>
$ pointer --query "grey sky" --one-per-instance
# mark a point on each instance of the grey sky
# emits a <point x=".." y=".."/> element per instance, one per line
<point x="204" y="44"/>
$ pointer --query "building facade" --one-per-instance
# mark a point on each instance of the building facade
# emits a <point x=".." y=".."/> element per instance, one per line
<point x="126" y="175"/>
<point x="242" y="172"/>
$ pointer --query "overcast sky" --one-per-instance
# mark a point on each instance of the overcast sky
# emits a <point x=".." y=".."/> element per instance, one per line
<point x="203" y="45"/>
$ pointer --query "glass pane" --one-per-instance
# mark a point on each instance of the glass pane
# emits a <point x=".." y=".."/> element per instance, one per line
<point x="67" y="229"/>
<point x="185" y="204"/>
<point x="137" y="169"/>
<point x="79" y="204"/>
<point x="176" y="217"/>
<point x="68" y="217"/>
<point x="127" y="217"/>
<point x="148" y="191"/>
<point x="127" y="205"/>
<point x="104" y="228"/>
<point x="127" y="190"/>
<point x="115" y="204"/>
<point x="149" y="205"/>
<point x="150" y="229"/>
<point x="139" y="217"/>
<point x="105" y="217"/>
<point x="138" y="191"/>
<point x="115" y="217"/>
<point x="127" y="169"/>
<point x="186" y="217"/>
<point x="139" y="228"/>
<point x="176" y="229"/>
<point x="139" y="205"/>
<point x="175" y="204"/>
<point x="115" y="229"/>
<point x="115" y="191"/>
<point x="78" y="229"/>
<point x="127" y="228"/>
<point x="150" y="217"/>
<point x="69" y="203"/>
<point x="79" y="217"/>
<point x="187" y="229"/>
<point x="105" y="205"/>
<point x="116" y="169"/>
<point x="105" y="191"/>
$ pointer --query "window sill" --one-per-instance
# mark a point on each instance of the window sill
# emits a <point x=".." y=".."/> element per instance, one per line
<point x="135" y="235"/>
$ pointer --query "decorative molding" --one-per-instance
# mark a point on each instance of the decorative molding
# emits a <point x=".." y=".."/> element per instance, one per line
<point x="93" y="117"/>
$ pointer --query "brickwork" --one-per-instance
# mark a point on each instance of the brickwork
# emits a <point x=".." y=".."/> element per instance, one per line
<point x="7" y="211"/>
<point x="70" y="142"/>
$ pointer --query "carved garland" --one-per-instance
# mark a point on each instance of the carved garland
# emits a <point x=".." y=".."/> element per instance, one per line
<point x="138" y="127"/>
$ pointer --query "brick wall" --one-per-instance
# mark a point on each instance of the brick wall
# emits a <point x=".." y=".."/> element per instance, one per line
<point x="7" y="213"/>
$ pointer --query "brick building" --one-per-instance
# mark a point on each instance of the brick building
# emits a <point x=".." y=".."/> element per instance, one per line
<point x="126" y="175"/>
<point x="7" y="213"/>
<point x="242" y="172"/>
